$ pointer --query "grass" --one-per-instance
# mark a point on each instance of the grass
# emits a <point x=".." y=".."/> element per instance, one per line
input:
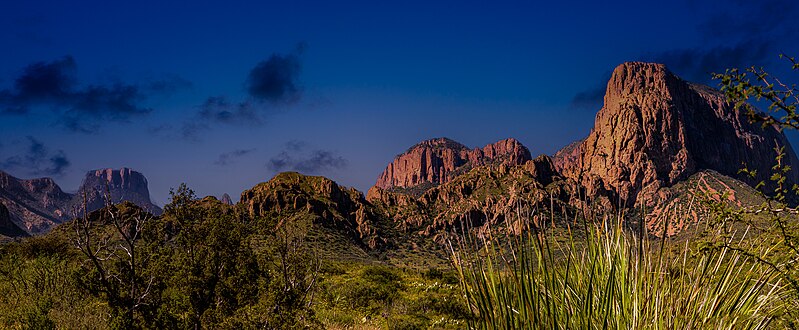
<point x="375" y="296"/>
<point x="612" y="279"/>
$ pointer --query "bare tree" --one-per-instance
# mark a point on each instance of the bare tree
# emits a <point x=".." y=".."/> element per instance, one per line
<point x="112" y="252"/>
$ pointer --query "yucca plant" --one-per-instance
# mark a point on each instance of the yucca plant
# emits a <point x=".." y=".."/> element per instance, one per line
<point x="609" y="279"/>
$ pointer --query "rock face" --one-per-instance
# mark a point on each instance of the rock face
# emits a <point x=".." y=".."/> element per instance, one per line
<point x="122" y="185"/>
<point x="226" y="199"/>
<point x="291" y="194"/>
<point x="492" y="194"/>
<point x="656" y="129"/>
<point x="34" y="205"/>
<point x="440" y="160"/>
<point x="7" y="227"/>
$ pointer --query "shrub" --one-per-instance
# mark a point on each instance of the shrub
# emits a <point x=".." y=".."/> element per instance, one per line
<point x="612" y="280"/>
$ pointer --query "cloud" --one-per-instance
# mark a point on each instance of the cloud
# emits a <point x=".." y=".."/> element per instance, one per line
<point x="741" y="34"/>
<point x="228" y="157"/>
<point x="79" y="108"/>
<point x="275" y="79"/>
<point x="697" y="65"/>
<point x="766" y="18"/>
<point x="592" y="99"/>
<point x="219" y="110"/>
<point x="270" y="83"/>
<point x="299" y="157"/>
<point x="168" y="84"/>
<point x="38" y="160"/>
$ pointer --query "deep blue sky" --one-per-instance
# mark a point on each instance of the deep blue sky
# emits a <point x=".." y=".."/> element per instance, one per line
<point x="223" y="95"/>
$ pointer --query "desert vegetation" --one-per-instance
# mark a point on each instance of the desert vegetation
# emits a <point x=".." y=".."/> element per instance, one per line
<point x="499" y="240"/>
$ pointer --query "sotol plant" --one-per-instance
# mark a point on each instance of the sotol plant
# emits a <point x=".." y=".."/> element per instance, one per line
<point x="611" y="279"/>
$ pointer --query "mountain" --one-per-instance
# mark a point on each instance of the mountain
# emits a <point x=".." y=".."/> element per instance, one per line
<point x="293" y="197"/>
<point x="440" y="160"/>
<point x="492" y="195"/>
<point x="225" y="199"/>
<point x="36" y="205"/>
<point x="656" y="130"/>
<point x="119" y="185"/>
<point x="7" y="227"/>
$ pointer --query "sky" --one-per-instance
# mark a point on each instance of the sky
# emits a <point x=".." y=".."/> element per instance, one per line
<point x="224" y="95"/>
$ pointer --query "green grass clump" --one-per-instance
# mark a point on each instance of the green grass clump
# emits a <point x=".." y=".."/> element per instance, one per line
<point x="374" y="296"/>
<point x="612" y="280"/>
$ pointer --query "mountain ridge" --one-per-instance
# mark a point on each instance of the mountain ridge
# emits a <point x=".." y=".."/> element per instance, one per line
<point x="36" y="205"/>
<point x="654" y="131"/>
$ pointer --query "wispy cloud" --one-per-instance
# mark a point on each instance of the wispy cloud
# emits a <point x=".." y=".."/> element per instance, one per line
<point x="79" y="108"/>
<point x="272" y="82"/>
<point x="230" y="157"/>
<point x="298" y="156"/>
<point x="37" y="159"/>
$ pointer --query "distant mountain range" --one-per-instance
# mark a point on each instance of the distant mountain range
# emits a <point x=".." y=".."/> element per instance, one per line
<point x="36" y="205"/>
<point x="656" y="142"/>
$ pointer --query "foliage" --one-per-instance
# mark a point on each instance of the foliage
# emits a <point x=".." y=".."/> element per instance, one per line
<point x="611" y="280"/>
<point x="380" y="296"/>
<point x="780" y="230"/>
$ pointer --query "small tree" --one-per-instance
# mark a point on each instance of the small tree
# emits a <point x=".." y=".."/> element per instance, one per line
<point x="213" y="269"/>
<point x="113" y="259"/>
<point x="782" y="99"/>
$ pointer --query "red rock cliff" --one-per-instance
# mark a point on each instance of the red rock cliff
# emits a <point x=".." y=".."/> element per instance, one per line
<point x="439" y="160"/>
<point x="656" y="129"/>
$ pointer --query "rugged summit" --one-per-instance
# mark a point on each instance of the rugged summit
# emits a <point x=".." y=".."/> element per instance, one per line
<point x="35" y="204"/>
<point x="291" y="196"/>
<point x="493" y="194"/>
<point x="121" y="184"/>
<point x="7" y="227"/>
<point x="225" y="199"/>
<point x="656" y="129"/>
<point x="438" y="161"/>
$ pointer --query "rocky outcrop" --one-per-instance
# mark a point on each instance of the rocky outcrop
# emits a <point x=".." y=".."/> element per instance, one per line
<point x="226" y="199"/>
<point x="117" y="185"/>
<point x="7" y="227"/>
<point x="656" y="129"/>
<point x="34" y="205"/>
<point x="292" y="194"/>
<point x="440" y="160"/>
<point x="495" y="195"/>
<point x="685" y="204"/>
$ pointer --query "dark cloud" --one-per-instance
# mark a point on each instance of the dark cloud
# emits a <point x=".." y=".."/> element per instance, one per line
<point x="219" y="110"/>
<point x="228" y="157"/>
<point x="169" y="84"/>
<point x="79" y="108"/>
<point x="592" y="99"/>
<point x="38" y="160"/>
<point x="270" y="83"/>
<point x="297" y="156"/>
<point x="275" y="79"/>
<point x="741" y="34"/>
<point x="589" y="99"/>
<point x="697" y="65"/>
<point x="766" y="18"/>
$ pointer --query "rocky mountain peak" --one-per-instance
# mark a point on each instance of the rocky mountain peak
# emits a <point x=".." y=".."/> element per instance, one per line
<point x="656" y="129"/>
<point x="439" y="160"/>
<point x="225" y="199"/>
<point x="122" y="184"/>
